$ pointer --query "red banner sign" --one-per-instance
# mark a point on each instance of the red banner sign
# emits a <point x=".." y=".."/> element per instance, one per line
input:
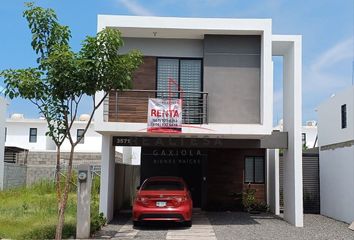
<point x="165" y="115"/>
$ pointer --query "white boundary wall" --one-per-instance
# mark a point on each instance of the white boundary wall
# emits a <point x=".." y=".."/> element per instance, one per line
<point x="337" y="157"/>
<point x="2" y="139"/>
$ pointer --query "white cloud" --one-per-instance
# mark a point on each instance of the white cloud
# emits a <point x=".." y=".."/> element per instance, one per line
<point x="325" y="74"/>
<point x="340" y="52"/>
<point x="329" y="73"/>
<point x="135" y="8"/>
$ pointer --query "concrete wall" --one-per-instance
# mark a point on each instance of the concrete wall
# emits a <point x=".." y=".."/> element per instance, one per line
<point x="127" y="179"/>
<point x="232" y="78"/>
<point x="2" y="139"/>
<point x="164" y="47"/>
<point x="49" y="158"/>
<point x="14" y="175"/>
<point x="337" y="183"/>
<point x="329" y="119"/>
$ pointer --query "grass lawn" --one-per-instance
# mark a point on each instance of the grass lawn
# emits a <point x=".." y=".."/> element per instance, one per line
<point x="31" y="213"/>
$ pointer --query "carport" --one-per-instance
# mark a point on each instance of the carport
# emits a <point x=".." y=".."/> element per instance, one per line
<point x="214" y="168"/>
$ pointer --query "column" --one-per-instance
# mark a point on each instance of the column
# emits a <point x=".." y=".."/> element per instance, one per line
<point x="107" y="178"/>
<point x="293" y="201"/>
<point x="273" y="180"/>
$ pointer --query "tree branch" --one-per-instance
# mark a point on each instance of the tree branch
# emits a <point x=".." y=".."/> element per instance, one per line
<point x="91" y="116"/>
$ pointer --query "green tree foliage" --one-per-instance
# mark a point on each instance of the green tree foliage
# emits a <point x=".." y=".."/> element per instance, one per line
<point x="63" y="77"/>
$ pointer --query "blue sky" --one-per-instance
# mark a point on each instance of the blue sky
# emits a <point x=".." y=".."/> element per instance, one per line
<point x="327" y="28"/>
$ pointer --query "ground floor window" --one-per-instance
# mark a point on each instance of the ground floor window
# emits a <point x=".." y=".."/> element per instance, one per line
<point x="254" y="170"/>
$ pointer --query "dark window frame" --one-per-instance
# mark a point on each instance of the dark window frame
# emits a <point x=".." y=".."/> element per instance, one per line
<point x="304" y="139"/>
<point x="82" y="140"/>
<point x="31" y="135"/>
<point x="343" y="109"/>
<point x="179" y="70"/>
<point x="254" y="170"/>
<point x="180" y="59"/>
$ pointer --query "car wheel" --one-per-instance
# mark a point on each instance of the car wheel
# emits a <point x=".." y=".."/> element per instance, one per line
<point x="187" y="223"/>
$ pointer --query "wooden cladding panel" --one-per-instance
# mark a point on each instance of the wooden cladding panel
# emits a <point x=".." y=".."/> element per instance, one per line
<point x="226" y="178"/>
<point x="133" y="106"/>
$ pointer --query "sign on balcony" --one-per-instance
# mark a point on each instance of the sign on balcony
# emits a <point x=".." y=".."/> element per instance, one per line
<point x="165" y="115"/>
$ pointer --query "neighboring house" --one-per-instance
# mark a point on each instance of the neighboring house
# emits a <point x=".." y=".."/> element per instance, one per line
<point x="30" y="134"/>
<point x="336" y="143"/>
<point x="3" y="107"/>
<point x="222" y="70"/>
<point x="308" y="133"/>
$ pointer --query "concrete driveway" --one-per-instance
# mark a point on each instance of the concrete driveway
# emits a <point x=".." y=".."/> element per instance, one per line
<point x="229" y="225"/>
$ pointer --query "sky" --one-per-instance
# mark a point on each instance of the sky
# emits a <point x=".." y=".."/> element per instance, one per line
<point x="327" y="28"/>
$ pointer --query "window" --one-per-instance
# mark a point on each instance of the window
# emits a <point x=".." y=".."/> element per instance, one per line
<point x="187" y="76"/>
<point x="33" y="135"/>
<point x="5" y="133"/>
<point x="163" y="185"/>
<point x="80" y="136"/>
<point x="344" y="115"/>
<point x="254" y="170"/>
<point x="303" y="139"/>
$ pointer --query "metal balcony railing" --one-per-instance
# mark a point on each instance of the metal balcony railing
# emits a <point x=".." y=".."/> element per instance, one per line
<point x="132" y="105"/>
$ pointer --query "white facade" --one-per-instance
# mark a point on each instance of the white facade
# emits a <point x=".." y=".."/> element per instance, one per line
<point x="18" y="131"/>
<point x="287" y="46"/>
<point x="195" y="29"/>
<point x="337" y="156"/>
<point x="3" y="106"/>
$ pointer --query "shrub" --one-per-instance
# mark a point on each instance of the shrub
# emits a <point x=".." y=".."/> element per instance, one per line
<point x="48" y="232"/>
<point x="249" y="198"/>
<point x="97" y="221"/>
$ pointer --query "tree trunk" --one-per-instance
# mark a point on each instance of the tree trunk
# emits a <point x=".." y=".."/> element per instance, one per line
<point x="57" y="178"/>
<point x="64" y="198"/>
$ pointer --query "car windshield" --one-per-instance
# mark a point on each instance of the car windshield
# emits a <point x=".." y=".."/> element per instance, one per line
<point x="163" y="185"/>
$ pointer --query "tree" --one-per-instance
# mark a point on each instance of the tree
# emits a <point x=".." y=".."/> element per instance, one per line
<point x="62" y="78"/>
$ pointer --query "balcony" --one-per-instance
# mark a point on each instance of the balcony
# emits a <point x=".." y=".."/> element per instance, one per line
<point x="132" y="105"/>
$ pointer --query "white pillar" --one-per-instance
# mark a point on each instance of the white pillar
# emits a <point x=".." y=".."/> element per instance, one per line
<point x="107" y="178"/>
<point x="293" y="201"/>
<point x="273" y="180"/>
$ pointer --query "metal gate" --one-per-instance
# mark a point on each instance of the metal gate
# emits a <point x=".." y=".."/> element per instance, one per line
<point x="310" y="180"/>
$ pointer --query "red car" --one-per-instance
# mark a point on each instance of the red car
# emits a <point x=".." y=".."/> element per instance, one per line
<point x="163" y="199"/>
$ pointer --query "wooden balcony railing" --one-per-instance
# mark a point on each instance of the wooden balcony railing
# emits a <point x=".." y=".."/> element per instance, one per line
<point x="132" y="105"/>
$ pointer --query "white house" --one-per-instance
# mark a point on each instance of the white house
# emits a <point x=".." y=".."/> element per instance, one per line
<point x="308" y="133"/>
<point x="336" y="143"/>
<point x="222" y="71"/>
<point x="30" y="134"/>
<point x="3" y="106"/>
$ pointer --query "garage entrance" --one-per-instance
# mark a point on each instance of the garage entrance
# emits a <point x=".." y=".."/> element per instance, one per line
<point x="214" y="169"/>
<point x="187" y="163"/>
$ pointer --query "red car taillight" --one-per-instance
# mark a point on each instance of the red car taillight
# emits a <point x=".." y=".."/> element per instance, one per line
<point x="142" y="200"/>
<point x="179" y="200"/>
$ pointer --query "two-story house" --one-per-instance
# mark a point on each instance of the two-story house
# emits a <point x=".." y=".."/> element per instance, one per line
<point x="222" y="71"/>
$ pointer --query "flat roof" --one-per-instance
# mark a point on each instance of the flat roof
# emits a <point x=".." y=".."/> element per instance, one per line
<point x="178" y="27"/>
